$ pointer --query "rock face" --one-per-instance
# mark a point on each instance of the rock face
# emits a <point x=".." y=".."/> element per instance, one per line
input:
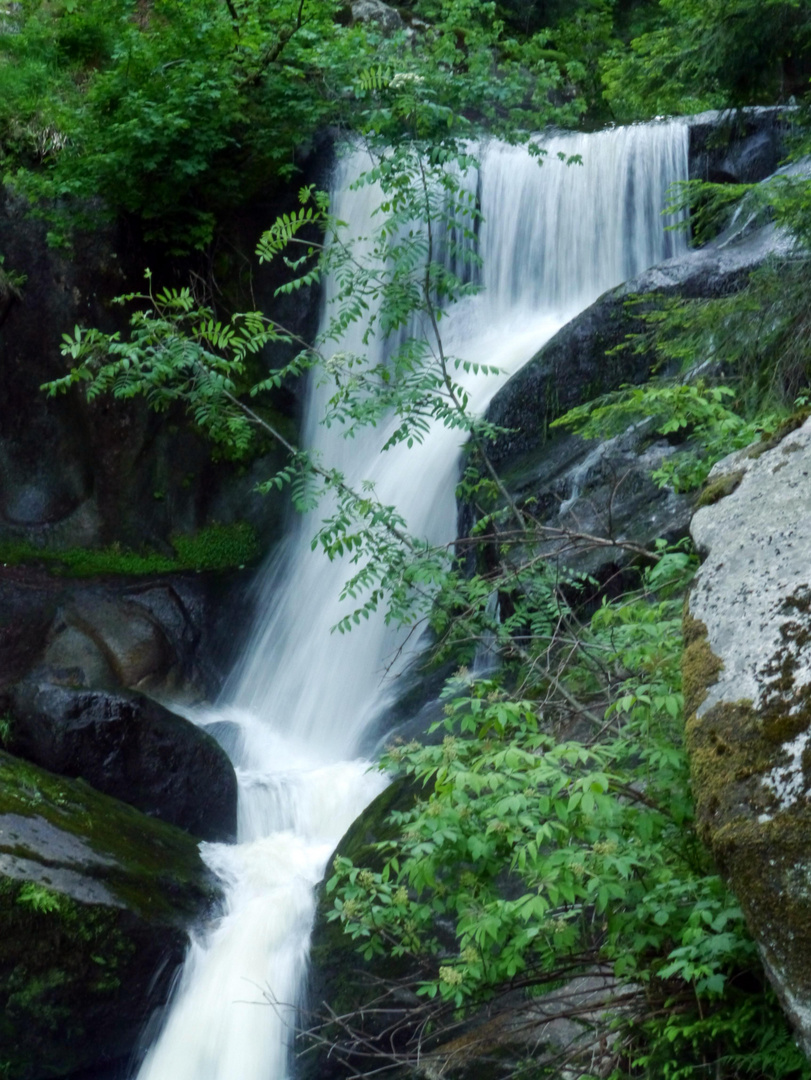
<point x="68" y="654"/>
<point x="740" y="147"/>
<point x="152" y="633"/>
<point x="747" y="671"/>
<point x="573" y="367"/>
<point x="132" y="748"/>
<point x="79" y="474"/>
<point x="375" y="11"/>
<point x="94" y="902"/>
<point x="340" y="981"/>
<point x="604" y="488"/>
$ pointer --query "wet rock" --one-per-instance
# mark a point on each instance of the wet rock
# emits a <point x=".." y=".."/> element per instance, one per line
<point x="131" y="747"/>
<point x="95" y="905"/>
<point x="592" y="497"/>
<point x="340" y="981"/>
<point x="738" y="146"/>
<point x="156" y="633"/>
<point x="577" y="365"/>
<point x="747" y="675"/>
<point x="603" y="488"/>
<point x="121" y="633"/>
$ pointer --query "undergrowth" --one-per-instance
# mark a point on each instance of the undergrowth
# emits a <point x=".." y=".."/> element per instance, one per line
<point x="215" y="547"/>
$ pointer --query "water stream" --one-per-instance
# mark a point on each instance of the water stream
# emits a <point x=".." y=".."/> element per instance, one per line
<point x="295" y="711"/>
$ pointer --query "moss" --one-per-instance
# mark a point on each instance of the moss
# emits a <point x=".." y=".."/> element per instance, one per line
<point x="215" y="547"/>
<point x="700" y="666"/>
<point x="155" y="868"/>
<point x="786" y="427"/>
<point x="760" y="846"/>
<point x="719" y="489"/>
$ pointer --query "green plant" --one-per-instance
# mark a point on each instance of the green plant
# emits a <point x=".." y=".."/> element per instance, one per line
<point x="527" y="860"/>
<point x="175" y="113"/>
<point x="40" y="899"/>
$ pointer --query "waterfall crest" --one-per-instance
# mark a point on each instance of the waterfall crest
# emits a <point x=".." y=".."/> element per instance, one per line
<point x="295" y="711"/>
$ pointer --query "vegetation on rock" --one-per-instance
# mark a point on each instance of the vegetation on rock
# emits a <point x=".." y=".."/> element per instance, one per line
<point x="214" y="547"/>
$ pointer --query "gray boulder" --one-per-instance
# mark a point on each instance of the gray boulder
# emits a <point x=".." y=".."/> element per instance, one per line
<point x="575" y="367"/>
<point x="96" y="901"/>
<point x="741" y="146"/>
<point x="375" y="11"/>
<point x="747" y="675"/>
<point x="151" y="633"/>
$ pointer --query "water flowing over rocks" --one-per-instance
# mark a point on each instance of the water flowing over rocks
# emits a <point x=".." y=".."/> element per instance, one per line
<point x="748" y="686"/>
<point x="73" y="473"/>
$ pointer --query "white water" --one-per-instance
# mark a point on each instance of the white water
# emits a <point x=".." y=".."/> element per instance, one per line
<point x="297" y="708"/>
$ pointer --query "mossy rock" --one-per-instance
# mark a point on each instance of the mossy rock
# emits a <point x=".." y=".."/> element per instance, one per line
<point x="95" y="903"/>
<point x="747" y="684"/>
<point x="341" y="982"/>
<point x="720" y="488"/>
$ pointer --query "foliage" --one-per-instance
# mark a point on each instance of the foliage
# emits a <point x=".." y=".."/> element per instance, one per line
<point x="214" y="547"/>
<point x="11" y="281"/>
<point x="697" y="411"/>
<point x="712" y="54"/>
<point x="552" y="833"/>
<point x="39" y="898"/>
<point x="735" y="363"/>
<point x="528" y="858"/>
<point x="176" y="112"/>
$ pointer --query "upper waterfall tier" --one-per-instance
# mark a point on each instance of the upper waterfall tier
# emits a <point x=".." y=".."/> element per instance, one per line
<point x="554" y="236"/>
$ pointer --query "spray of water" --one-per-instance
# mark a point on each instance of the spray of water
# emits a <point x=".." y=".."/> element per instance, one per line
<point x="296" y="708"/>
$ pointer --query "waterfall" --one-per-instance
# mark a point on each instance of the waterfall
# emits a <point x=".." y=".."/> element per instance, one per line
<point x="295" y="711"/>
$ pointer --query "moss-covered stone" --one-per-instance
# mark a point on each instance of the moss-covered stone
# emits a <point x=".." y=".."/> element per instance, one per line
<point x="720" y="488"/>
<point x="341" y="981"/>
<point x="700" y="666"/>
<point x="95" y="901"/>
<point x="760" y="842"/>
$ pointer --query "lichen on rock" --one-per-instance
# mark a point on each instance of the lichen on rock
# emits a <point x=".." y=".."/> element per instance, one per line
<point x="747" y="674"/>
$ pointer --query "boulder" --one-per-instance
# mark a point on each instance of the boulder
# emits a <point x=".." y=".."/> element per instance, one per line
<point x="594" y="496"/>
<point x="740" y="146"/>
<point x="155" y="632"/>
<point x="603" y="488"/>
<point x="96" y="901"/>
<point x="340" y="982"/>
<point x="375" y="11"/>
<point x="747" y="679"/>
<point x="577" y="364"/>
<point x="131" y="747"/>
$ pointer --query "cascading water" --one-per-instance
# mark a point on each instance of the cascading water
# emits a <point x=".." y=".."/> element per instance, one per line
<point x="296" y="710"/>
